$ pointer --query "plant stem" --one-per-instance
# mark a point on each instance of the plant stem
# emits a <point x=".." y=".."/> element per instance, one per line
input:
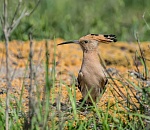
<point x="8" y="83"/>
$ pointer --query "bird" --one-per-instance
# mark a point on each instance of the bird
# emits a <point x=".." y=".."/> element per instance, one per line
<point x="92" y="77"/>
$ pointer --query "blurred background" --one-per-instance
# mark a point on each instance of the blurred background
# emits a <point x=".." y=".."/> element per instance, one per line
<point x="71" y="19"/>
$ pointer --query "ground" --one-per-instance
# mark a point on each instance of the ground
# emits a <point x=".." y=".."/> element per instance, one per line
<point x="120" y="58"/>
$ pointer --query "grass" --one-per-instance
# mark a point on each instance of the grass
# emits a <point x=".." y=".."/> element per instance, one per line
<point x="42" y="108"/>
<point x="130" y="111"/>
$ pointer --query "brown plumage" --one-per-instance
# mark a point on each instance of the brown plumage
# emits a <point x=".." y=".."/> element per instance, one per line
<point x="92" y="76"/>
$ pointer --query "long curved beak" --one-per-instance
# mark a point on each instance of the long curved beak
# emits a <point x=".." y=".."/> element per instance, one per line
<point x="69" y="42"/>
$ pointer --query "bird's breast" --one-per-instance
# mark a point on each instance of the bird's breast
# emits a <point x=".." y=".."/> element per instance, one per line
<point x="93" y="75"/>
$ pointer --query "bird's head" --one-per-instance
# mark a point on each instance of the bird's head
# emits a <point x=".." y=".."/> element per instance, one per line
<point x="91" y="41"/>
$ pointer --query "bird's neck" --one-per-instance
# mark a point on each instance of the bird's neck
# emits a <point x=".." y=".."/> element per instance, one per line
<point x="91" y="56"/>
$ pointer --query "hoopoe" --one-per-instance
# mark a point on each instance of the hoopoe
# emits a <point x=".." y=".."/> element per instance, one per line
<point x="92" y="76"/>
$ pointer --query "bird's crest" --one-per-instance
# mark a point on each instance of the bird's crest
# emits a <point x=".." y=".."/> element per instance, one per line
<point x="100" y="38"/>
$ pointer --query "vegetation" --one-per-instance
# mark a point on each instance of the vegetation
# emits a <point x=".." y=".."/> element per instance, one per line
<point x="129" y="109"/>
<point x="71" y="19"/>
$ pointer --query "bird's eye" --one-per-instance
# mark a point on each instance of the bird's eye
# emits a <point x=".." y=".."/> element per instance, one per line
<point x="85" y="41"/>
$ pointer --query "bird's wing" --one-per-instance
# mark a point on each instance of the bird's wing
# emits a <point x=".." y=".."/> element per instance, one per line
<point x="80" y="81"/>
<point x="103" y="83"/>
<point x="106" y="81"/>
<point x="100" y="37"/>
